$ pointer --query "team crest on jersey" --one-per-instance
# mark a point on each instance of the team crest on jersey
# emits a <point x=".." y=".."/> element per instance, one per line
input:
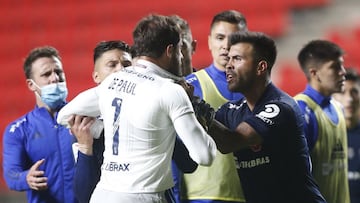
<point x="271" y="111"/>
<point x="256" y="147"/>
<point x="235" y="106"/>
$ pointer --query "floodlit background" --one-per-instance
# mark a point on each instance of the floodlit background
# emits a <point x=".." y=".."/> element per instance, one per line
<point x="75" y="27"/>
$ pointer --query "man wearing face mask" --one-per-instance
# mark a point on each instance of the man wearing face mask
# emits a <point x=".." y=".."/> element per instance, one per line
<point x="37" y="150"/>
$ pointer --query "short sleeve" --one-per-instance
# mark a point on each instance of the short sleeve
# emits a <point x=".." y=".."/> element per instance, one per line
<point x="270" y="117"/>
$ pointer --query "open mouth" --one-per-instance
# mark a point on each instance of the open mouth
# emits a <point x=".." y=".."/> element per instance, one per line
<point x="229" y="77"/>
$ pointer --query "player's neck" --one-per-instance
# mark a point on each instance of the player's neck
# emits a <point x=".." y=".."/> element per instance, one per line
<point x="255" y="93"/>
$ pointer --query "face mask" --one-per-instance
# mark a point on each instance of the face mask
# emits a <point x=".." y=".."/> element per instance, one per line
<point x="53" y="95"/>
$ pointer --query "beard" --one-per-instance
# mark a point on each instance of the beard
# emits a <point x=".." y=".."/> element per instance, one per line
<point x="175" y="65"/>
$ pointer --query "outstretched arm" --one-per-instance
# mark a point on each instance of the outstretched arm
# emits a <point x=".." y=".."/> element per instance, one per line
<point x="228" y="141"/>
<point x="85" y="104"/>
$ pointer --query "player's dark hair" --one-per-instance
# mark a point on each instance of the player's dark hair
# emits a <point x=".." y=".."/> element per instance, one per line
<point x="38" y="52"/>
<point x="318" y="52"/>
<point x="230" y="16"/>
<point x="105" y="46"/>
<point x="153" y="34"/>
<point x="264" y="47"/>
<point x="184" y="27"/>
<point x="352" y="75"/>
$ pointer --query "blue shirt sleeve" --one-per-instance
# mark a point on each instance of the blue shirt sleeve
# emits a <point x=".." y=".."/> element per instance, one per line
<point x="182" y="157"/>
<point x="310" y="124"/>
<point x="87" y="175"/>
<point x="88" y="171"/>
<point x="16" y="164"/>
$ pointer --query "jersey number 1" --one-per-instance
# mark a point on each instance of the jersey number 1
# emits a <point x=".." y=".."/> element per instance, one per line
<point x="117" y="104"/>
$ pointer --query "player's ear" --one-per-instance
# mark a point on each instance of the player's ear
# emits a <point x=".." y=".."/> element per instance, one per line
<point x="193" y="46"/>
<point x="96" y="78"/>
<point x="262" y="67"/>
<point x="169" y="50"/>
<point x="31" y="85"/>
<point x="312" y="72"/>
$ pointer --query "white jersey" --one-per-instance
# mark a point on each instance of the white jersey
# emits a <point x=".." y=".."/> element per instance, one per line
<point x="142" y="109"/>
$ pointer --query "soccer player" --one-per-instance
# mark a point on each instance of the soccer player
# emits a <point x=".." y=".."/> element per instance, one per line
<point x="220" y="181"/>
<point x="350" y="99"/>
<point x="188" y="45"/>
<point x="187" y="49"/>
<point x="109" y="57"/>
<point x="264" y="129"/>
<point x="325" y="127"/>
<point x="143" y="108"/>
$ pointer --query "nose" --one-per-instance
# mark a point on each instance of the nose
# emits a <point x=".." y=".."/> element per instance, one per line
<point x="229" y="65"/>
<point x="181" y="55"/>
<point x="347" y="97"/>
<point x="225" y="44"/>
<point x="118" y="67"/>
<point x="342" y="71"/>
<point x="54" y="77"/>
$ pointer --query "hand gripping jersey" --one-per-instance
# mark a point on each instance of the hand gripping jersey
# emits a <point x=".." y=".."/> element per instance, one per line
<point x="142" y="109"/>
<point x="278" y="170"/>
<point x="220" y="181"/>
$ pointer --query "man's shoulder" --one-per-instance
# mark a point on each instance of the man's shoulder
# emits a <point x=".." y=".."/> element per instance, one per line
<point x="233" y="107"/>
<point x="26" y="121"/>
<point x="18" y="123"/>
<point x="282" y="105"/>
<point x="191" y="78"/>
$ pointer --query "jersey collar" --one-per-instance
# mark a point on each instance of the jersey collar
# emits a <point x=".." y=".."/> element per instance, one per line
<point x="157" y="70"/>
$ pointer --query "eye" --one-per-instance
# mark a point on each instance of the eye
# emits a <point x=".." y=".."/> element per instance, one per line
<point x="126" y="63"/>
<point x="112" y="64"/>
<point x="220" y="37"/>
<point x="354" y="92"/>
<point x="59" y="71"/>
<point x="236" y="58"/>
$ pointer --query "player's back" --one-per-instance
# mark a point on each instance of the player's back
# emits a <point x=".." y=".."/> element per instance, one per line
<point x="139" y="106"/>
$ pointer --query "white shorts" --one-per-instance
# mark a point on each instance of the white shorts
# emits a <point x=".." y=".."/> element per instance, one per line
<point x="101" y="195"/>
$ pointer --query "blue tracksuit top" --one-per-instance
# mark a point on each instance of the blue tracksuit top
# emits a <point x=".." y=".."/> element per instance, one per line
<point x="32" y="137"/>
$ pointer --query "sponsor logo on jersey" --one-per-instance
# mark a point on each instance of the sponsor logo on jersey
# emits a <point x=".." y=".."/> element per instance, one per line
<point x="114" y="166"/>
<point x="328" y="168"/>
<point x="254" y="162"/>
<point x="271" y="111"/>
<point x="338" y="151"/>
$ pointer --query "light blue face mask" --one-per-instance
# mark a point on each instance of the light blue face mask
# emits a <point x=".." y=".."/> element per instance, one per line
<point x="53" y="95"/>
